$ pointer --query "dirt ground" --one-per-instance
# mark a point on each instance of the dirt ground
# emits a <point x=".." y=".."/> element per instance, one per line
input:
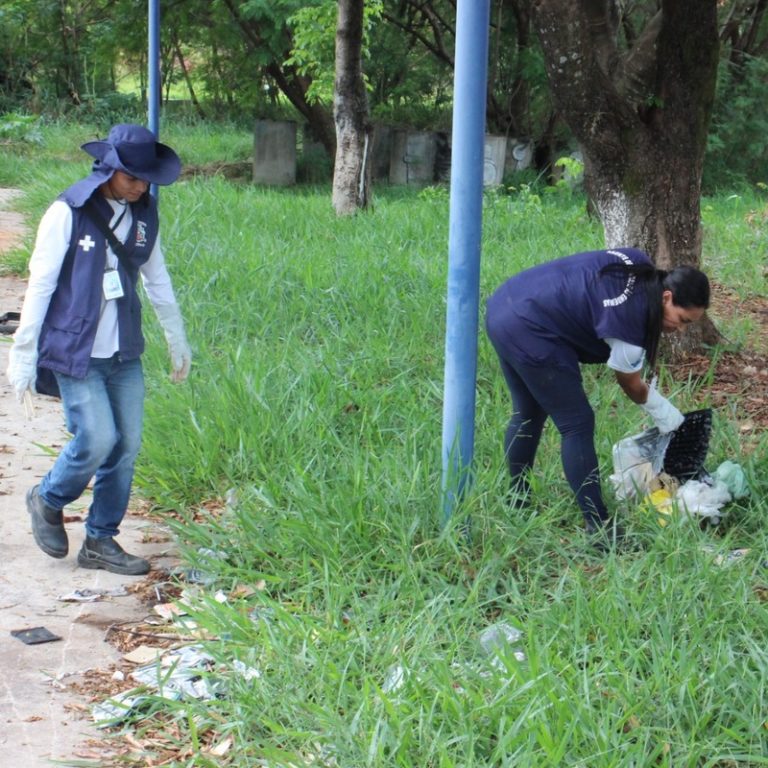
<point x="739" y="381"/>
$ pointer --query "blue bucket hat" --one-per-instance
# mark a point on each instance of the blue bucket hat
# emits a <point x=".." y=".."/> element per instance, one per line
<point x="134" y="150"/>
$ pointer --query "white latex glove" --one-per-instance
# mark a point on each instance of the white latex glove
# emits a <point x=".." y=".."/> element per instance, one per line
<point x="22" y="370"/>
<point x="665" y="416"/>
<point x="170" y="319"/>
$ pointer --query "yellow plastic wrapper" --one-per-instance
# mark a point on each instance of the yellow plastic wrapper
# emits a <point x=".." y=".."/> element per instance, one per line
<point x="661" y="501"/>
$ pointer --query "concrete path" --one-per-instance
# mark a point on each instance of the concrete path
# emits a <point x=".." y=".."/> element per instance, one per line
<point x="40" y="716"/>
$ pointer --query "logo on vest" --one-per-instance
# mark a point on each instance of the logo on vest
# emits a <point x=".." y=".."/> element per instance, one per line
<point x="141" y="234"/>
<point x="631" y="279"/>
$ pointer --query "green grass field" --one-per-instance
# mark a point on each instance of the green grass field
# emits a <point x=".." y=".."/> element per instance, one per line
<point x="315" y="407"/>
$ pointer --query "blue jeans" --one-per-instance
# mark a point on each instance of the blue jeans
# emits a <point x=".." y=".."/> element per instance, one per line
<point x="104" y="412"/>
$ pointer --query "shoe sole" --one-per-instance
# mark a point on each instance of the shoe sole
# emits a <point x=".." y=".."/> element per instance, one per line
<point x="95" y="563"/>
<point x="57" y="553"/>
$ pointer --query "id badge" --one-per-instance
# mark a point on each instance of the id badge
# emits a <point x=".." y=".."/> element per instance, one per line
<point x="113" y="288"/>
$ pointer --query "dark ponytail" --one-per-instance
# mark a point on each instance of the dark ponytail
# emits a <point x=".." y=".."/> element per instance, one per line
<point x="689" y="287"/>
<point x="654" y="288"/>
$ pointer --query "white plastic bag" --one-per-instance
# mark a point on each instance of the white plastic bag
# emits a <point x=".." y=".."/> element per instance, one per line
<point x="636" y="461"/>
<point x="701" y="499"/>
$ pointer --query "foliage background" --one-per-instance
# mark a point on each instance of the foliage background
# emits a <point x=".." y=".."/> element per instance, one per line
<point x="248" y="59"/>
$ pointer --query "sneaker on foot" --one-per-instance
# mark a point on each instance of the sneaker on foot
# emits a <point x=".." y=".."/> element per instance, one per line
<point x="108" y="555"/>
<point x="47" y="525"/>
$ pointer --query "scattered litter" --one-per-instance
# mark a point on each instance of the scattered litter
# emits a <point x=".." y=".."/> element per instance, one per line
<point x="732" y="476"/>
<point x="199" y="575"/>
<point x="221" y="749"/>
<point x="143" y="654"/>
<point x="727" y="558"/>
<point x="220" y="597"/>
<point x="168" y="611"/>
<point x="212" y="554"/>
<point x="118" y="676"/>
<point x="260" y="613"/>
<point x="663" y="502"/>
<point x="91" y="595"/>
<point x="115" y="709"/>
<point x="395" y="679"/>
<point x="665" y="482"/>
<point x="249" y="673"/>
<point x="667" y="471"/>
<point x="636" y="461"/>
<point x="497" y="640"/>
<point x="179" y="673"/>
<point x="35" y="635"/>
<point x="177" y="613"/>
<point x="245" y="590"/>
<point x="193" y="576"/>
<point x="702" y="499"/>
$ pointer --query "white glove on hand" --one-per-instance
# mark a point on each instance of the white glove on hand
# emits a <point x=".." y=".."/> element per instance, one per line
<point x="170" y="318"/>
<point x="665" y="416"/>
<point x="22" y="371"/>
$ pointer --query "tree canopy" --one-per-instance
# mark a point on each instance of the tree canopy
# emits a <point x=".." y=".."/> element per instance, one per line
<point x="249" y="58"/>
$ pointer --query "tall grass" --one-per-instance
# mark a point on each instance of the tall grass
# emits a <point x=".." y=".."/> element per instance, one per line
<point x="314" y="407"/>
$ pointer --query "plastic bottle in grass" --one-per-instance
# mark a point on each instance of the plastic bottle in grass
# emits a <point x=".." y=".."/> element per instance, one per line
<point x="498" y="639"/>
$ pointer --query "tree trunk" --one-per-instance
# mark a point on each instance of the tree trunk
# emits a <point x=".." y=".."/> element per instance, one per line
<point x="187" y="79"/>
<point x="295" y="86"/>
<point x="352" y="169"/>
<point x="292" y="84"/>
<point x="641" y="116"/>
<point x="510" y="114"/>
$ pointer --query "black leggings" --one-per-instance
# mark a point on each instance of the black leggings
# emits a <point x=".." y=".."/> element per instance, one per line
<point x="538" y="392"/>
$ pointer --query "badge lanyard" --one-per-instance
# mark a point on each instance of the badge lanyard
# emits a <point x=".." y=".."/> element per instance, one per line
<point x="113" y="288"/>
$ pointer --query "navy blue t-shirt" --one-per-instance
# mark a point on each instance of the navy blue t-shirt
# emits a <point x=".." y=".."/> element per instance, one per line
<point x="558" y="313"/>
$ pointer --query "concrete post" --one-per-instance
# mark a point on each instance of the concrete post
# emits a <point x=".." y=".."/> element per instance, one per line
<point x="493" y="167"/>
<point x="274" y="152"/>
<point x="413" y="157"/>
<point x="382" y="152"/>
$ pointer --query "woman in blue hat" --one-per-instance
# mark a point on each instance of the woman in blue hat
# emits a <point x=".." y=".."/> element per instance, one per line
<point x="606" y="307"/>
<point x="80" y="335"/>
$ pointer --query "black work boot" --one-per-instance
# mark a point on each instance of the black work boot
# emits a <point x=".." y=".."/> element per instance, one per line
<point x="47" y="525"/>
<point x="108" y="555"/>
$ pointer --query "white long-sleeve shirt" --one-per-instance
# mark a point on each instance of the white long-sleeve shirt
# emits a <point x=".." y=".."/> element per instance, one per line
<point x="51" y="245"/>
<point x="625" y="358"/>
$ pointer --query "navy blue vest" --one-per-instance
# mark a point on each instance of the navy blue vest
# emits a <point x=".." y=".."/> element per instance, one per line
<point x="559" y="312"/>
<point x="69" y="328"/>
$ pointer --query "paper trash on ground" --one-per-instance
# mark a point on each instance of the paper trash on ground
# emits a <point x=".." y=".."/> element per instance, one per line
<point x="184" y="672"/>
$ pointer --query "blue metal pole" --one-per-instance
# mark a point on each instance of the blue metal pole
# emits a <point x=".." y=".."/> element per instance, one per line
<point x="153" y="73"/>
<point x="465" y="224"/>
